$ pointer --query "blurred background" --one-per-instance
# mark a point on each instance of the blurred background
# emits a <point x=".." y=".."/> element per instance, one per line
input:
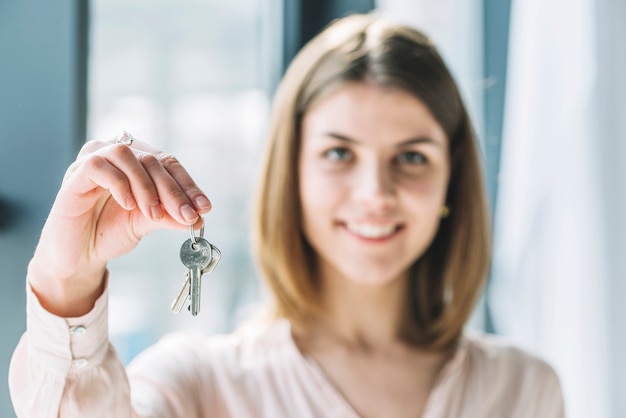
<point x="544" y="84"/>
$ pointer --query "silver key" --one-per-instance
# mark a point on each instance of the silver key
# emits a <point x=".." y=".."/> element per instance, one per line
<point x="183" y="295"/>
<point x="196" y="256"/>
<point x="216" y="254"/>
<point x="188" y="256"/>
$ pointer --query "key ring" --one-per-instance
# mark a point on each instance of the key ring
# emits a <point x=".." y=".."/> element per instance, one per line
<point x="192" y="232"/>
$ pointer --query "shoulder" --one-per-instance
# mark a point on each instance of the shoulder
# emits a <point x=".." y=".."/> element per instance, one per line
<point x="499" y="355"/>
<point x="507" y="374"/>
<point x="218" y="356"/>
<point x="211" y="374"/>
<point x="498" y="359"/>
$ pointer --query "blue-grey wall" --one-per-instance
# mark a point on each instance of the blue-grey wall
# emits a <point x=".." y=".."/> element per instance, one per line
<point x="42" y="116"/>
<point x="611" y="145"/>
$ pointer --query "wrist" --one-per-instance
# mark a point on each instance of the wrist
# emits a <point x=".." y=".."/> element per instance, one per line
<point x="66" y="295"/>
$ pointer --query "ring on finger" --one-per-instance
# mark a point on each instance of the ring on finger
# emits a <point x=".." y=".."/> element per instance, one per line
<point x="125" y="138"/>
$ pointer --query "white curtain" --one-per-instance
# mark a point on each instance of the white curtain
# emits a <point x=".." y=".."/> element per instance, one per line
<point x="559" y="273"/>
<point x="551" y="277"/>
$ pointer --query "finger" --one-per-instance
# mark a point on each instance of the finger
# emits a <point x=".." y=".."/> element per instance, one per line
<point x="174" y="200"/>
<point x="141" y="184"/>
<point x="86" y="150"/>
<point x="94" y="145"/>
<point x="166" y="168"/>
<point x="90" y="178"/>
<point x="201" y="202"/>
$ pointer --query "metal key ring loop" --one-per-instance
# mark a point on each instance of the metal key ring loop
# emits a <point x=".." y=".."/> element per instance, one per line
<point x="192" y="232"/>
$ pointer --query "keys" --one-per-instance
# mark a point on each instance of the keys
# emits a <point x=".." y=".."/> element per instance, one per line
<point x="183" y="295"/>
<point x="196" y="257"/>
<point x="216" y="255"/>
<point x="200" y="257"/>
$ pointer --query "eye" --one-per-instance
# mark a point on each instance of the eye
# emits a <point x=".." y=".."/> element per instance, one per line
<point x="338" y="154"/>
<point x="412" y="158"/>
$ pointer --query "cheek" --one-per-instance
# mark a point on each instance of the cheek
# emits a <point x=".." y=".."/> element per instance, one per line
<point x="321" y="196"/>
<point x="318" y="192"/>
<point x="312" y="210"/>
<point x="310" y="192"/>
<point x="429" y="190"/>
<point x="423" y="201"/>
<point x="316" y="176"/>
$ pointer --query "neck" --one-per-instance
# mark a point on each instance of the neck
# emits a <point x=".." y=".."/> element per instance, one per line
<point x="363" y="316"/>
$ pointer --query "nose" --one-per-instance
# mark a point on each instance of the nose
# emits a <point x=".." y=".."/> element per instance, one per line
<point x="374" y="187"/>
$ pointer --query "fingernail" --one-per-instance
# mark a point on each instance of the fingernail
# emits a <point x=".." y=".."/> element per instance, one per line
<point x="156" y="211"/>
<point x="188" y="213"/>
<point x="203" y="202"/>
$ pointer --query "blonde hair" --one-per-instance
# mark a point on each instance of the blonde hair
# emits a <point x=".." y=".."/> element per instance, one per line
<point x="448" y="278"/>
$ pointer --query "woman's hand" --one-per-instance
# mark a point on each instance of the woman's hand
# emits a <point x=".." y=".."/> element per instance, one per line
<point x="111" y="196"/>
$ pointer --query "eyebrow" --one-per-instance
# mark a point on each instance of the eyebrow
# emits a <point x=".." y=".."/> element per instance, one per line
<point x="412" y="141"/>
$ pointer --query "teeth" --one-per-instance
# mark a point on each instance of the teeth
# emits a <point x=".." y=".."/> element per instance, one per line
<point x="368" y="230"/>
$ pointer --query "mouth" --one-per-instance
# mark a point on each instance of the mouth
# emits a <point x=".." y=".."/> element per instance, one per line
<point x="372" y="231"/>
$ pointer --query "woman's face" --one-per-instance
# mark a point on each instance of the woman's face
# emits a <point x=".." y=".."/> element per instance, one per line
<point x="373" y="173"/>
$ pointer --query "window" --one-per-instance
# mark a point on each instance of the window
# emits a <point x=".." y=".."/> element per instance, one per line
<point x="186" y="77"/>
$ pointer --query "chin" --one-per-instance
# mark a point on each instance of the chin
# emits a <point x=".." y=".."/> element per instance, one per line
<point x="373" y="278"/>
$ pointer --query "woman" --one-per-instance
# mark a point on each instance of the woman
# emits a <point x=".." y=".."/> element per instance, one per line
<point x="371" y="232"/>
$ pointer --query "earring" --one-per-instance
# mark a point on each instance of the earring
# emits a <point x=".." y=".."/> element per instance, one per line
<point x="445" y="212"/>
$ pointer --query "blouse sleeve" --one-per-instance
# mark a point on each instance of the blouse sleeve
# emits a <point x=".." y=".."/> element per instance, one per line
<point x="67" y="367"/>
<point x="550" y="402"/>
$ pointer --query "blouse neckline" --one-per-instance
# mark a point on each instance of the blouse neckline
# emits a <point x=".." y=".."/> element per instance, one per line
<point x="339" y="405"/>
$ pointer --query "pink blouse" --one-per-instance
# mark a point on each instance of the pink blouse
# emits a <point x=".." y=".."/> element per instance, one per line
<point x="66" y="367"/>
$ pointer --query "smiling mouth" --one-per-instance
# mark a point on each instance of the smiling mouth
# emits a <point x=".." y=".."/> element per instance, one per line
<point x="371" y="230"/>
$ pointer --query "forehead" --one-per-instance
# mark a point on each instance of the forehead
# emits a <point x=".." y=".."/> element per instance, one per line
<point x="366" y="109"/>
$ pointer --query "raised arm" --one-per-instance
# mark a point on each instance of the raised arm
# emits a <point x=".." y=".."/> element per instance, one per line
<point x="111" y="196"/>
